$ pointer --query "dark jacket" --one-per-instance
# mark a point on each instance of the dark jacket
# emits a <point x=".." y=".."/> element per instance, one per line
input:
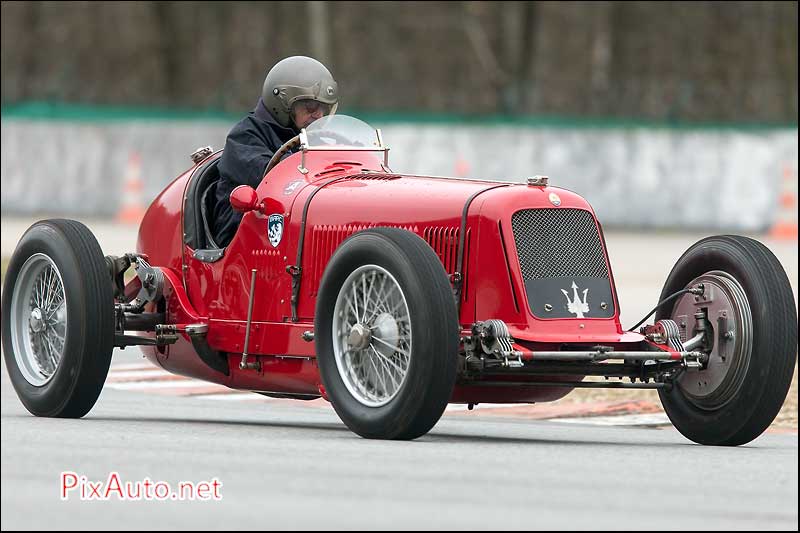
<point x="250" y="145"/>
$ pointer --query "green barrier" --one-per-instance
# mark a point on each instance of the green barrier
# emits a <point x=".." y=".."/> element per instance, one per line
<point x="53" y="111"/>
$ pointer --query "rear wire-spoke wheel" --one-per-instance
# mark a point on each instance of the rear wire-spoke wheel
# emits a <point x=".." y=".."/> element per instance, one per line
<point x="38" y="319"/>
<point x="58" y="319"/>
<point x="752" y="335"/>
<point x="387" y="334"/>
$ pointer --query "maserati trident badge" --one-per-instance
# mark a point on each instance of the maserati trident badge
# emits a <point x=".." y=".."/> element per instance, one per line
<point x="275" y="229"/>
<point x="577" y="306"/>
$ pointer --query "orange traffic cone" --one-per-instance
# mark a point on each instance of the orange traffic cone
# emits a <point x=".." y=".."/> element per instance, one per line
<point x="461" y="167"/>
<point x="132" y="209"/>
<point x="785" y="226"/>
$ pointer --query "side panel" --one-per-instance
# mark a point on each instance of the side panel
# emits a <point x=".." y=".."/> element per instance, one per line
<point x="429" y="207"/>
<point x="221" y="290"/>
<point x="161" y="230"/>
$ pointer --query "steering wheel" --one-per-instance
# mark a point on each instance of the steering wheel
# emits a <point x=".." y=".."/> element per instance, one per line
<point x="291" y="144"/>
<point x="294" y="142"/>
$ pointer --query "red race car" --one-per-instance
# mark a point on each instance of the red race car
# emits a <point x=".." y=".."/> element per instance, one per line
<point x="391" y="295"/>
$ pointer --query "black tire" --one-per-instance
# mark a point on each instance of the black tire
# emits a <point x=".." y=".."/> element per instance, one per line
<point x="423" y="395"/>
<point x="763" y="381"/>
<point x="74" y="386"/>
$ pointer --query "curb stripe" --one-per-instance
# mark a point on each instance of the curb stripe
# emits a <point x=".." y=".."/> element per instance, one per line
<point x="146" y="377"/>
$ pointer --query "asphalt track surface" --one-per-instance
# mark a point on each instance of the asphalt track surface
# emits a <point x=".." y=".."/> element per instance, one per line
<point x="293" y="467"/>
<point x="286" y="466"/>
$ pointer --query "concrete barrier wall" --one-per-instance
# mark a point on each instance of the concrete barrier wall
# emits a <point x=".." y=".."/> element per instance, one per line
<point x="634" y="177"/>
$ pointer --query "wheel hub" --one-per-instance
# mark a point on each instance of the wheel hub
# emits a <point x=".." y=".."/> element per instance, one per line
<point x="729" y="317"/>
<point x="360" y="337"/>
<point x="386" y="330"/>
<point x="37" y="321"/>
<point x="372" y="335"/>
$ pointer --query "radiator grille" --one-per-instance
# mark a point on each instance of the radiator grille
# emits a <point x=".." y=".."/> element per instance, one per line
<point x="374" y="176"/>
<point x="323" y="241"/>
<point x="555" y="243"/>
<point x="444" y="242"/>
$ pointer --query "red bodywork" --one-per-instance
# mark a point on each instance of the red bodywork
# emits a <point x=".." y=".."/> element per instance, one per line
<point x="217" y="293"/>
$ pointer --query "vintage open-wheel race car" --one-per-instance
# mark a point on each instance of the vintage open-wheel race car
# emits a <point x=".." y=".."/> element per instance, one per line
<point x="391" y="295"/>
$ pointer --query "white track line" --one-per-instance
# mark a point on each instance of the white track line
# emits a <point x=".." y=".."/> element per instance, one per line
<point x="650" y="419"/>
<point x="134" y="366"/>
<point x="231" y="397"/>
<point x="136" y="374"/>
<point x="165" y="384"/>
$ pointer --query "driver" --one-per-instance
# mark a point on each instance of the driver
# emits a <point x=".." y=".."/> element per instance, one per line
<point x="297" y="91"/>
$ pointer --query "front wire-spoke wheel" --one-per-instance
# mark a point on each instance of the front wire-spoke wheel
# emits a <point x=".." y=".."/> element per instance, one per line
<point x="372" y="335"/>
<point x="387" y="334"/>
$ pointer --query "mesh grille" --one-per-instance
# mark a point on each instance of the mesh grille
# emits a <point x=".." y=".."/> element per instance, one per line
<point x="553" y="243"/>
